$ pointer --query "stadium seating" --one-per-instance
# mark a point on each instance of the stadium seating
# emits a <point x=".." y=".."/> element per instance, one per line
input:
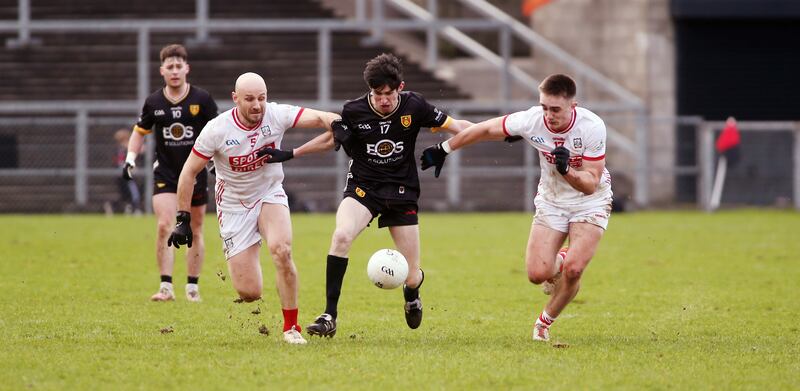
<point x="88" y="66"/>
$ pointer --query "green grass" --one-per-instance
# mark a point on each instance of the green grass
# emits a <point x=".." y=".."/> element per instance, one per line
<point x="673" y="300"/>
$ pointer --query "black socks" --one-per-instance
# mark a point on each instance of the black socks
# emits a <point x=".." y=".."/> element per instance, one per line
<point x="334" y="276"/>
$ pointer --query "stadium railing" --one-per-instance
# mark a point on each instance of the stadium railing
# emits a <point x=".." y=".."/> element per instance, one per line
<point x="422" y="20"/>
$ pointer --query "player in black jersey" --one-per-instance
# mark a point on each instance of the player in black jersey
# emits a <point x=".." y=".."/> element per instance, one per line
<point x="176" y="114"/>
<point x="379" y="131"/>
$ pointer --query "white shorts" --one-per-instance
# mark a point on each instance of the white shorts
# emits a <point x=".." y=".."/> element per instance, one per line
<point x="558" y="217"/>
<point x="239" y="230"/>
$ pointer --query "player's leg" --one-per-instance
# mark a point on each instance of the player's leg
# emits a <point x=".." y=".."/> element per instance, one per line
<point x="351" y="219"/>
<point x="195" y="255"/>
<point x="165" y="206"/>
<point x="245" y="271"/>
<point x="549" y="230"/>
<point x="406" y="238"/>
<point x="241" y="242"/>
<point x="583" y="241"/>
<point x="275" y="226"/>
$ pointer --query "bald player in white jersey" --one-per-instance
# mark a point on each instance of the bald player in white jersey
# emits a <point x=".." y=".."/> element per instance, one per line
<point x="251" y="203"/>
<point x="574" y="195"/>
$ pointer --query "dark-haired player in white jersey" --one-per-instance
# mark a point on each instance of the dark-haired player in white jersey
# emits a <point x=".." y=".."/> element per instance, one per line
<point x="175" y="114"/>
<point x="251" y="203"/>
<point x="379" y="131"/>
<point x="573" y="200"/>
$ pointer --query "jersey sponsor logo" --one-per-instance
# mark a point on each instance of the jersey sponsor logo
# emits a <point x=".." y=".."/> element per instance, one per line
<point x="176" y="112"/>
<point x="364" y="126"/>
<point x="360" y="192"/>
<point x="577" y="143"/>
<point x="178" y="131"/>
<point x="385" y="148"/>
<point x="160" y="185"/>
<point x="194" y="109"/>
<point x="158" y="113"/>
<point x="249" y="162"/>
<point x="574" y="161"/>
<point x="232" y="142"/>
<point x="405" y="121"/>
<point x="537" y="139"/>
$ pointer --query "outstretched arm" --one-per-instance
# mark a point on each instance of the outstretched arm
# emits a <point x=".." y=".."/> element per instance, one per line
<point x="454" y="126"/>
<point x="309" y="118"/>
<point x="435" y="155"/>
<point x="491" y="129"/>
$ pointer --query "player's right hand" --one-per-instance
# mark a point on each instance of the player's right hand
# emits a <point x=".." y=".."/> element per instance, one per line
<point x="433" y="156"/>
<point x="341" y="136"/>
<point x="127" y="170"/>
<point x="182" y="234"/>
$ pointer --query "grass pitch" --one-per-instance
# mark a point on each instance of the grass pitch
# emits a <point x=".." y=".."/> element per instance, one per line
<point x="673" y="300"/>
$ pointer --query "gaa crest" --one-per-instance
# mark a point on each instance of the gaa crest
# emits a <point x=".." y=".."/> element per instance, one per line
<point x="194" y="109"/>
<point x="405" y="121"/>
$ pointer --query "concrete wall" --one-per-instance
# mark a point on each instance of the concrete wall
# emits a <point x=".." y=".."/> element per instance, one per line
<point x="630" y="41"/>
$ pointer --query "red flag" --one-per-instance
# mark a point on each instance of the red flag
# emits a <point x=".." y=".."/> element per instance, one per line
<point x="528" y="6"/>
<point x="729" y="138"/>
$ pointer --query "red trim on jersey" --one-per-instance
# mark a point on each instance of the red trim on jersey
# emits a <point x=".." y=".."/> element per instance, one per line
<point x="504" y="126"/>
<point x="200" y="154"/>
<point x="298" y="117"/>
<point x="567" y="129"/>
<point x="594" y="158"/>
<point x="239" y="124"/>
<point x="218" y="196"/>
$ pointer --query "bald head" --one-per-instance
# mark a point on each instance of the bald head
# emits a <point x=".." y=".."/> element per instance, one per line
<point x="250" y="82"/>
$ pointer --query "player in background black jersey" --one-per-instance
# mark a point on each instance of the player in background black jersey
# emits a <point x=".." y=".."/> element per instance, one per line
<point x="379" y="131"/>
<point x="176" y="114"/>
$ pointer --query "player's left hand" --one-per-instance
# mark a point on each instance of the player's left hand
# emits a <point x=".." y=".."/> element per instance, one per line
<point x="561" y="155"/>
<point x="276" y="155"/>
<point x="433" y="156"/>
<point x="182" y="234"/>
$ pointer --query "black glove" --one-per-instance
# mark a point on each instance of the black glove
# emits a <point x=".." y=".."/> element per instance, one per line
<point x="342" y="136"/>
<point x="182" y="234"/>
<point x="562" y="159"/>
<point x="433" y="156"/>
<point x="127" y="171"/>
<point x="275" y="155"/>
<point x="512" y="139"/>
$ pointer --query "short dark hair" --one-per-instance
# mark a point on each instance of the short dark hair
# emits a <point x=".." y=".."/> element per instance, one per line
<point x="384" y="70"/>
<point x="558" y="85"/>
<point x="174" y="50"/>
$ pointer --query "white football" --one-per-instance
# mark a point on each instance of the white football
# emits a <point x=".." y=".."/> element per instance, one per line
<point x="387" y="268"/>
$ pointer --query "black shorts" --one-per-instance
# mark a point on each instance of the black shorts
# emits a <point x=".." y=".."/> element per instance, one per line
<point x="393" y="212"/>
<point x="167" y="183"/>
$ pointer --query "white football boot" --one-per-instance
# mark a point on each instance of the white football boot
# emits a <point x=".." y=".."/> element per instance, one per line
<point x="541" y="332"/>
<point x="165" y="293"/>
<point x="193" y="293"/>
<point x="293" y="337"/>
